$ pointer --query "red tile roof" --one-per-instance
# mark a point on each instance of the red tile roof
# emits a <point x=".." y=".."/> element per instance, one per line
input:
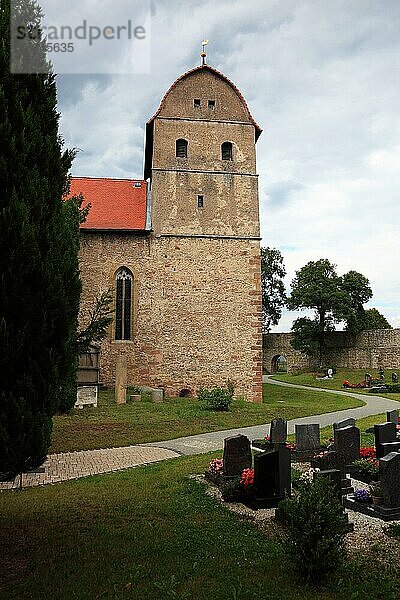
<point x="116" y="204"/>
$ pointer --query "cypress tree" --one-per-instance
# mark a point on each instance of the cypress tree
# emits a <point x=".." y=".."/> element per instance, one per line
<point x="39" y="242"/>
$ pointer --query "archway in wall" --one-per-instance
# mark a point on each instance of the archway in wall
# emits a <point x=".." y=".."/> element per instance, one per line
<point x="279" y="364"/>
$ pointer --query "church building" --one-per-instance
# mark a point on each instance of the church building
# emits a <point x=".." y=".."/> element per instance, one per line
<point x="180" y="248"/>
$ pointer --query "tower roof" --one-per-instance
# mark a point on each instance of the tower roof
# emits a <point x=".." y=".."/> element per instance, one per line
<point x="150" y="122"/>
<point x="218" y="74"/>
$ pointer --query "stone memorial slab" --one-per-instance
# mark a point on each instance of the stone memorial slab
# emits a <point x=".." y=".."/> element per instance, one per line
<point x="329" y="460"/>
<point x="392" y="416"/>
<point x="272" y="474"/>
<point x="157" y="395"/>
<point x="386" y="432"/>
<point x="86" y="395"/>
<point x="347" y="443"/>
<point x="237" y="455"/>
<point x="368" y="380"/>
<point x="307" y="437"/>
<point x="388" y="447"/>
<point x="278" y="431"/>
<point x="345" y="423"/>
<point x="121" y="379"/>
<point x="395" y="378"/>
<point x="335" y="476"/>
<point x="389" y="469"/>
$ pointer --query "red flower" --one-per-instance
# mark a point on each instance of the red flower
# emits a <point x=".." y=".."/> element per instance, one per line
<point x="247" y="477"/>
<point x="367" y="452"/>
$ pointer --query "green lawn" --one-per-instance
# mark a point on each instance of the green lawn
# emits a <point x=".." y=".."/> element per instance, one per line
<point x="112" y="425"/>
<point x="151" y="533"/>
<point x="352" y="375"/>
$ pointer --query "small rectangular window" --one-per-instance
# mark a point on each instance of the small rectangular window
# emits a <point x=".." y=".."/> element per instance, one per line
<point x="211" y="104"/>
<point x="196" y="103"/>
<point x="200" y="201"/>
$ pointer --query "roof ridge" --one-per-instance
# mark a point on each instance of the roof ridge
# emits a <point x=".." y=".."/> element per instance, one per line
<point x="219" y="74"/>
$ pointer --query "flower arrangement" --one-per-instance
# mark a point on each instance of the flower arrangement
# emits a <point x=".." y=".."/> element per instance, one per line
<point x="247" y="477"/>
<point x="216" y="466"/>
<point x="362" y="495"/>
<point x="308" y="476"/>
<point x="369" y="466"/>
<point x="367" y="452"/>
<point x="292" y="447"/>
<point x="267" y="438"/>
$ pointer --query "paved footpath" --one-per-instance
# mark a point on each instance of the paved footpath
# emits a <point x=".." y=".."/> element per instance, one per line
<point x="72" y="465"/>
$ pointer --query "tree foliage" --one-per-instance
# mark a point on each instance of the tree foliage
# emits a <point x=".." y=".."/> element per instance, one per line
<point x="272" y="287"/>
<point x="99" y="320"/>
<point x="333" y="298"/>
<point x="39" y="284"/>
<point x="370" y="318"/>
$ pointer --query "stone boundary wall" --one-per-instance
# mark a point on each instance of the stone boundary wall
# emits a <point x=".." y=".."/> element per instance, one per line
<point x="368" y="350"/>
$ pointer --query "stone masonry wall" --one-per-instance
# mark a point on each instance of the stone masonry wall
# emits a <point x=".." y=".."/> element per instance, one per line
<point x="187" y="330"/>
<point x="368" y="350"/>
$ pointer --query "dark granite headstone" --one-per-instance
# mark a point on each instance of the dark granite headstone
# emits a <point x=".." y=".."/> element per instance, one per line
<point x="307" y="437"/>
<point x="392" y="416"/>
<point x="388" y="447"/>
<point x="272" y="474"/>
<point x="389" y="469"/>
<point x="386" y="432"/>
<point x="237" y="455"/>
<point x="335" y="477"/>
<point x="368" y="379"/>
<point x="395" y="378"/>
<point x="345" y="423"/>
<point x="347" y="443"/>
<point x="278" y="431"/>
<point x="329" y="460"/>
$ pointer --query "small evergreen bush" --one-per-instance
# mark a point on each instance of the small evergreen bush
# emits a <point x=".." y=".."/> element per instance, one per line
<point x="316" y="528"/>
<point x="218" y="398"/>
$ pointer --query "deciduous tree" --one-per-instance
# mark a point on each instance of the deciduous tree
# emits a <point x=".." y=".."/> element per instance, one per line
<point x="272" y="287"/>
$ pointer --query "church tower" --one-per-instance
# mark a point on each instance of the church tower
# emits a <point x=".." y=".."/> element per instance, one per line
<point x="200" y="161"/>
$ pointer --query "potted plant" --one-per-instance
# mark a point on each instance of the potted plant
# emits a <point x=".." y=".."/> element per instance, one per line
<point x="376" y="492"/>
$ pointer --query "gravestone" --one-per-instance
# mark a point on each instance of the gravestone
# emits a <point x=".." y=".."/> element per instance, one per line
<point x="121" y="378"/>
<point x="272" y="475"/>
<point x="335" y="476"/>
<point x="278" y="431"/>
<point x="395" y="378"/>
<point x="347" y="443"/>
<point x="386" y="432"/>
<point x="368" y="380"/>
<point x="392" y="416"/>
<point x="307" y="437"/>
<point x="237" y="455"/>
<point x="86" y="395"/>
<point x="388" y="447"/>
<point x="389" y="469"/>
<point x="329" y="460"/>
<point x="344" y="423"/>
<point x="157" y="395"/>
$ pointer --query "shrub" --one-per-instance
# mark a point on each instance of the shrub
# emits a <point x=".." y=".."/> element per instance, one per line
<point x="232" y="490"/>
<point x="393" y="530"/>
<point x="369" y="466"/>
<point x="217" y="398"/>
<point x="316" y="527"/>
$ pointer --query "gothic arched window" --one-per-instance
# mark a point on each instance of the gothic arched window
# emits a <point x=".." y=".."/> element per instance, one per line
<point x="123" y="304"/>
<point x="226" y="151"/>
<point x="181" y="148"/>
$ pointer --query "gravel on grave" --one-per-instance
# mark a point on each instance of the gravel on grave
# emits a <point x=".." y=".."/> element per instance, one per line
<point x="368" y="531"/>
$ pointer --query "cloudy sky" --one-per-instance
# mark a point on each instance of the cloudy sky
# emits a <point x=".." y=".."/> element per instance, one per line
<point x="321" y="77"/>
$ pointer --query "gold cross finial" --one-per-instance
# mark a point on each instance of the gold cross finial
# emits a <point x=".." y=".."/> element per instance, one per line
<point x="204" y="54"/>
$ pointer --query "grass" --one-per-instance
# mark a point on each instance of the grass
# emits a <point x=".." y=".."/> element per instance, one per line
<point x="148" y="533"/>
<point x="112" y="425"/>
<point x="352" y="375"/>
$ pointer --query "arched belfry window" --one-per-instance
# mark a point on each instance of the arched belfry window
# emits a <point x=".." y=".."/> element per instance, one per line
<point x="226" y="151"/>
<point x="181" y="148"/>
<point x="123" y="304"/>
